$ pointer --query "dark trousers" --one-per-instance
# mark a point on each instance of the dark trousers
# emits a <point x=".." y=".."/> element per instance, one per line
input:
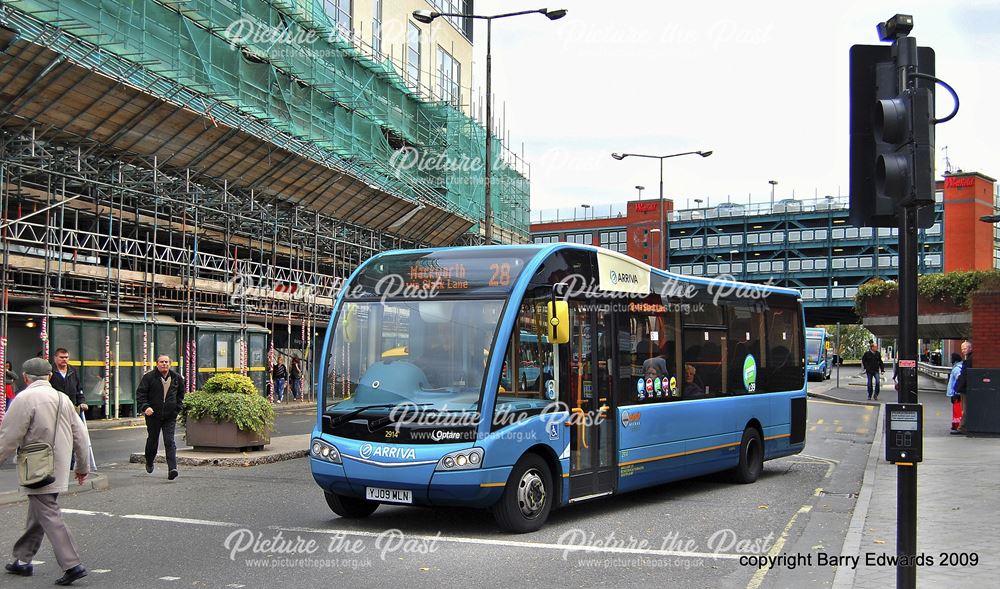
<point x="45" y="519"/>
<point x="873" y="378"/>
<point x="154" y="426"/>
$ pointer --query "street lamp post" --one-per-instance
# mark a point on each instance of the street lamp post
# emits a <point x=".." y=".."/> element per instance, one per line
<point x="773" y="183"/>
<point x="426" y="17"/>
<point x="621" y="156"/>
<point x="584" y="207"/>
<point x="640" y="189"/>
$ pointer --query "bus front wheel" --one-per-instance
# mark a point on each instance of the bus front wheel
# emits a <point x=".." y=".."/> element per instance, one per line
<point x="751" y="457"/>
<point x="350" y="507"/>
<point x="527" y="497"/>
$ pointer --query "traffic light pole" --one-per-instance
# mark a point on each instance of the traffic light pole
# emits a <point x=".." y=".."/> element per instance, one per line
<point x="906" y="370"/>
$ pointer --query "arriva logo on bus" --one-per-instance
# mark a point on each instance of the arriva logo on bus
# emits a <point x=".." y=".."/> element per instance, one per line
<point x="373" y="451"/>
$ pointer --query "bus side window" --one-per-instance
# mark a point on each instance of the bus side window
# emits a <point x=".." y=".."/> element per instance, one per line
<point x="527" y="366"/>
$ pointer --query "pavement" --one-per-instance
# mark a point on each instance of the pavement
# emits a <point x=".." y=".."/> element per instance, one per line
<point x="957" y="483"/>
<point x="281" y="448"/>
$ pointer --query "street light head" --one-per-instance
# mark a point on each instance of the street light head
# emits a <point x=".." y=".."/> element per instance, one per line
<point x="990" y="219"/>
<point x="704" y="153"/>
<point x="554" y="14"/>
<point x="618" y="156"/>
<point x="425" y="16"/>
<point x="772" y="182"/>
<point x="640" y="188"/>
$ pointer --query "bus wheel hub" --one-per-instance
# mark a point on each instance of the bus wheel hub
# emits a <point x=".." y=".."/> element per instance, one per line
<point x="531" y="494"/>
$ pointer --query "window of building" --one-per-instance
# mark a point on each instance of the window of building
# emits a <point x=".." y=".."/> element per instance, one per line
<point x="794" y="235"/>
<point x="674" y="243"/>
<point x="821" y="234"/>
<point x="547" y="239"/>
<point x="377" y="26"/>
<point x="413" y="56"/>
<point x="615" y="240"/>
<point x="820" y="265"/>
<point x="451" y="7"/>
<point x="838" y="234"/>
<point x="339" y="12"/>
<point x="713" y="241"/>
<point x="713" y="269"/>
<point x="794" y="265"/>
<point x="586" y="238"/>
<point x="449" y="78"/>
<point x="807" y="235"/>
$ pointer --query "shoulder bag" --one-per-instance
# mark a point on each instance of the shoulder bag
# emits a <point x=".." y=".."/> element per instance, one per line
<point x="36" y="462"/>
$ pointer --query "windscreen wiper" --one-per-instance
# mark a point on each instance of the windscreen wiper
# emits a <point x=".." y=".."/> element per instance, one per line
<point x="335" y="421"/>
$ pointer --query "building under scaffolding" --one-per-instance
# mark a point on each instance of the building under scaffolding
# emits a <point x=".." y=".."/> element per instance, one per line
<point x="168" y="189"/>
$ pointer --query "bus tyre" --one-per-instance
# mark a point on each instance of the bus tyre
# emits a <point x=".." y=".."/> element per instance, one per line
<point x="751" y="457"/>
<point x="527" y="497"/>
<point x="350" y="507"/>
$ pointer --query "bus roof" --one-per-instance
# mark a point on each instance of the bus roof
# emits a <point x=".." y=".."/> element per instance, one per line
<point x="541" y="251"/>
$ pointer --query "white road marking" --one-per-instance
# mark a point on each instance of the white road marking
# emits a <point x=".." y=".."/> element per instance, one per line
<point x="100" y="571"/>
<point x="437" y="538"/>
<point x="85" y="512"/>
<point x="170" y="578"/>
<point x="181" y="520"/>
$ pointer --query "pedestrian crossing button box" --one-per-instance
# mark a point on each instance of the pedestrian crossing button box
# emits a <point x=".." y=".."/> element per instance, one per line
<point x="904" y="432"/>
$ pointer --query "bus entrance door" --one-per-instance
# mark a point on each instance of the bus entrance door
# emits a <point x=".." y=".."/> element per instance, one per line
<point x="590" y="402"/>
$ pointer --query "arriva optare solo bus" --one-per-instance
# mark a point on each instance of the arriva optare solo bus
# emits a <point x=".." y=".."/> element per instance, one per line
<point x="526" y="378"/>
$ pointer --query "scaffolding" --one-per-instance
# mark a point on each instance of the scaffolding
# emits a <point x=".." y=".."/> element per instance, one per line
<point x="307" y="85"/>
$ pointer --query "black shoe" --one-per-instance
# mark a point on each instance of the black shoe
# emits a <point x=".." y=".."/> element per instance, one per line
<point x="149" y="467"/>
<point x="77" y="572"/>
<point x="876" y="397"/>
<point x="172" y="474"/>
<point x="23" y="570"/>
<point x="955" y="432"/>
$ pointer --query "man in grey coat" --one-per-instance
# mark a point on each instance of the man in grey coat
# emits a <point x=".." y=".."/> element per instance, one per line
<point x="35" y="417"/>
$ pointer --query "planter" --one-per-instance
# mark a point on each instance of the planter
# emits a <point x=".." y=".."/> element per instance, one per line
<point x="206" y="435"/>
<point x="888" y="306"/>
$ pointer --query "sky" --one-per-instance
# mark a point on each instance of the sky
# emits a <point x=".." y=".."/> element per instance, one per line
<point x="764" y="85"/>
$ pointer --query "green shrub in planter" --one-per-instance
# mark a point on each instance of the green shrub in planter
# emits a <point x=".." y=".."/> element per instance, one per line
<point x="231" y="397"/>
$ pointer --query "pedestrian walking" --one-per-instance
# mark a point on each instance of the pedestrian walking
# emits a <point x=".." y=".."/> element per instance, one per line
<point x="161" y="398"/>
<point x="42" y="415"/>
<point x="295" y="380"/>
<point x="953" y="396"/>
<point x="874" y="369"/>
<point x="65" y="379"/>
<point x="9" y="379"/>
<point x="279" y="374"/>
<point x="962" y="382"/>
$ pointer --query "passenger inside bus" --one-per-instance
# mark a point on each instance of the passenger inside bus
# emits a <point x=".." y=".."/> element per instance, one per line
<point x="691" y="386"/>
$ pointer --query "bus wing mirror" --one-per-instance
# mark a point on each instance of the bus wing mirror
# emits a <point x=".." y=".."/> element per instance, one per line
<point x="558" y="322"/>
<point x="349" y="324"/>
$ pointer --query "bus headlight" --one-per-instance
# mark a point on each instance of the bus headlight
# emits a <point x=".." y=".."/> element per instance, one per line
<point x="461" y="460"/>
<point x="324" y="451"/>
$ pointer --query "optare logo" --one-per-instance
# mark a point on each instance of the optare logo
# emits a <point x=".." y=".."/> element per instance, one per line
<point x="366" y="451"/>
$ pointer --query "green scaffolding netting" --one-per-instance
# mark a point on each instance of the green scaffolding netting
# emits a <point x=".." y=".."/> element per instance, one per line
<point x="288" y="64"/>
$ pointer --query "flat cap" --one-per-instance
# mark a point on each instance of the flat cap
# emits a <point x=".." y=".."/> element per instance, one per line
<point x="36" y="367"/>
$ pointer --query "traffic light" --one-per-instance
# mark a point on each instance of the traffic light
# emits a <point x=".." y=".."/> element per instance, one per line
<point x="892" y="138"/>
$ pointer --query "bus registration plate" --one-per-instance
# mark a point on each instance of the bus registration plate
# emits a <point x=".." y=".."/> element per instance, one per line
<point x="388" y="495"/>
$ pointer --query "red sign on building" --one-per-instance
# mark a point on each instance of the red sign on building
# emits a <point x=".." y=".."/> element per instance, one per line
<point x="645" y="207"/>
<point x="955" y="182"/>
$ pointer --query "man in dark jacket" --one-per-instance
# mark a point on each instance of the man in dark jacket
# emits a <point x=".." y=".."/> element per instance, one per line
<point x="161" y="397"/>
<point x="874" y="367"/>
<point x="66" y="380"/>
<point x="962" y="382"/>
